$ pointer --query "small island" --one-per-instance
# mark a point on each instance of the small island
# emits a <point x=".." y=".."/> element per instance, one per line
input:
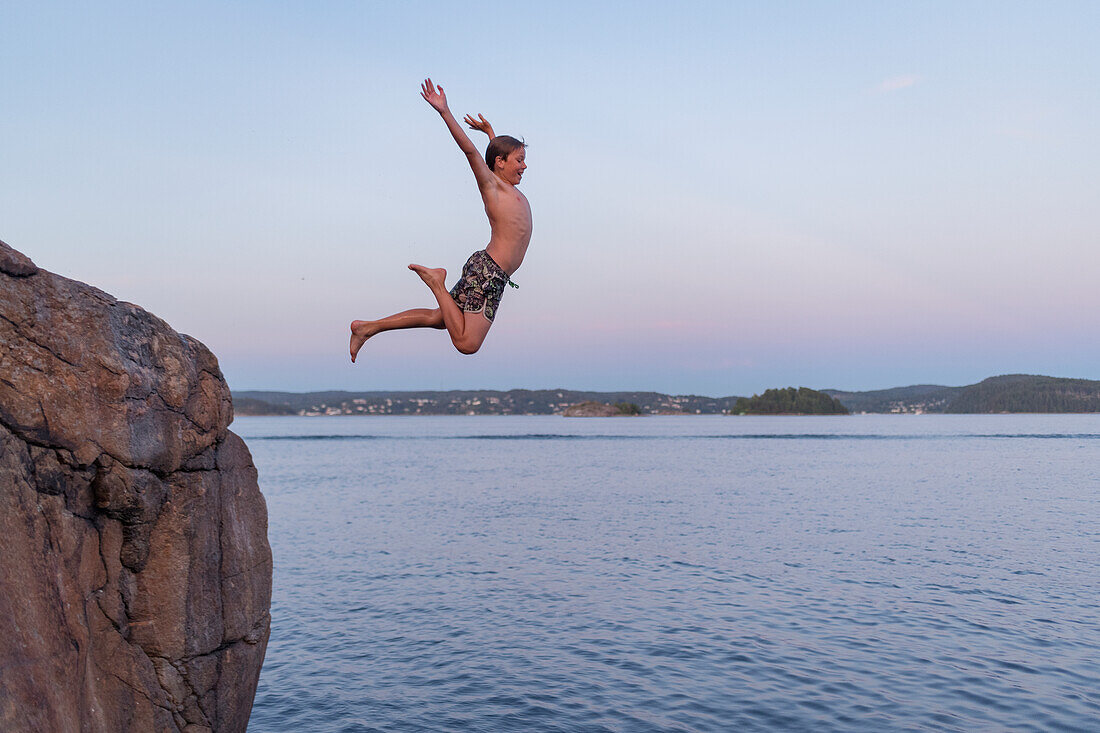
<point x="591" y="408"/>
<point x="789" y="401"/>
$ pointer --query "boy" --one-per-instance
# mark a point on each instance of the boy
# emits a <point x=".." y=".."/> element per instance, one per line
<point x="467" y="311"/>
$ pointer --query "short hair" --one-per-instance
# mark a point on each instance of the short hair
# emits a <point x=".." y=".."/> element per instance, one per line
<point x="502" y="146"/>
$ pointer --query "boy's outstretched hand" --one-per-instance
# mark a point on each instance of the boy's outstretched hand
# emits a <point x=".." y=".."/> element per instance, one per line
<point x="434" y="96"/>
<point x="480" y="124"/>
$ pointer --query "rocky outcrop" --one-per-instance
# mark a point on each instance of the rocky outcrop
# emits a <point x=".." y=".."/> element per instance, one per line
<point x="135" y="573"/>
<point x="595" y="409"/>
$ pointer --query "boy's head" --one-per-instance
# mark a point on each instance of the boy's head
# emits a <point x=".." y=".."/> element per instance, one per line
<point x="505" y="157"/>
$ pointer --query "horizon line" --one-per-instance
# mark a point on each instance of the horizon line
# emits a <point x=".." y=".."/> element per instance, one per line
<point x="653" y="391"/>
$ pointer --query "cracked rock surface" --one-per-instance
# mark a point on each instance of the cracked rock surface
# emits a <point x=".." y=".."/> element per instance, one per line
<point x="135" y="572"/>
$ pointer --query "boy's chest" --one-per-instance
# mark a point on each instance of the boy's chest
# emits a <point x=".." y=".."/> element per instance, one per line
<point x="511" y="207"/>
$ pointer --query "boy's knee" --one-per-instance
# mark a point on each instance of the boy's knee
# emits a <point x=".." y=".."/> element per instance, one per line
<point x="467" y="344"/>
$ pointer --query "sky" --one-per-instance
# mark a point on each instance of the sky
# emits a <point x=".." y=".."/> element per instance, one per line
<point x="727" y="196"/>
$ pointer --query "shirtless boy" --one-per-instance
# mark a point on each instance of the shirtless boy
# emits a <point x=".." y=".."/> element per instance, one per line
<point x="468" y="309"/>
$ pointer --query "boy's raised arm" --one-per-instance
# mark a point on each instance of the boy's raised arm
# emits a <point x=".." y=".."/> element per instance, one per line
<point x="438" y="100"/>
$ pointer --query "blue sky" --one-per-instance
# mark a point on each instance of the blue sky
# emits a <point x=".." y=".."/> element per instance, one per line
<point x="727" y="196"/>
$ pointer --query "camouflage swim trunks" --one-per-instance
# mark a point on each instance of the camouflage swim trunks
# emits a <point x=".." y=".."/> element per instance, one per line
<point x="481" y="286"/>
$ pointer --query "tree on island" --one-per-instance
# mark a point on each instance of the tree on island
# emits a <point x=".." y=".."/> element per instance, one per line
<point x="789" y="401"/>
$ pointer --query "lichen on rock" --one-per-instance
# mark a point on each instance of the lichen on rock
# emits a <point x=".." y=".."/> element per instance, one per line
<point x="135" y="585"/>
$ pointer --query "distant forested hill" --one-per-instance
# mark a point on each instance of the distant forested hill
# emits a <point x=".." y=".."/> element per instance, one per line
<point x="789" y="401"/>
<point x="1027" y="393"/>
<point x="915" y="399"/>
<point x="1007" y="393"/>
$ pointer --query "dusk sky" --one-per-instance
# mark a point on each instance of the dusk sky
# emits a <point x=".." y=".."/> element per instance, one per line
<point x="727" y="196"/>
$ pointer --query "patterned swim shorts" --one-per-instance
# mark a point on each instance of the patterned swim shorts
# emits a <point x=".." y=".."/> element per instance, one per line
<point x="481" y="286"/>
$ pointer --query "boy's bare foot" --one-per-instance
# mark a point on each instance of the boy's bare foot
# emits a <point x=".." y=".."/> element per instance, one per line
<point x="433" y="277"/>
<point x="360" y="332"/>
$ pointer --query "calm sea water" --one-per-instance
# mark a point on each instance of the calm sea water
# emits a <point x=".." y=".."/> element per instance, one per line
<point x="681" y="574"/>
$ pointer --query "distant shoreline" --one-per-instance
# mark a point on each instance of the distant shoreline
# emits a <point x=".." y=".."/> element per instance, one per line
<point x="1008" y="394"/>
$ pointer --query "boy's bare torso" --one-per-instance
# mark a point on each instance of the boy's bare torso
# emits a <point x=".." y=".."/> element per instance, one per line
<point x="510" y="221"/>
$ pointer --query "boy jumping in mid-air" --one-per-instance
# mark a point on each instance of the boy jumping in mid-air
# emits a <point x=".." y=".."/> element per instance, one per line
<point x="467" y="311"/>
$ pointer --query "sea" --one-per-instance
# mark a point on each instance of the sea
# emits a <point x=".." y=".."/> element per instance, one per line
<point x="706" y="573"/>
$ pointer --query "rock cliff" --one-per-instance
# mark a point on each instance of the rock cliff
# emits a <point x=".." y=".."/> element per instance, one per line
<point x="135" y="573"/>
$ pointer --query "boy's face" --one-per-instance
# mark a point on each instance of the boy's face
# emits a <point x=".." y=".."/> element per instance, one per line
<point x="511" y="168"/>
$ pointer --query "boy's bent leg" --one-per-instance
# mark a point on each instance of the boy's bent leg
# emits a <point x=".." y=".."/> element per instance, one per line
<point x="467" y="330"/>
<point x="413" y="318"/>
<point x="473" y="336"/>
